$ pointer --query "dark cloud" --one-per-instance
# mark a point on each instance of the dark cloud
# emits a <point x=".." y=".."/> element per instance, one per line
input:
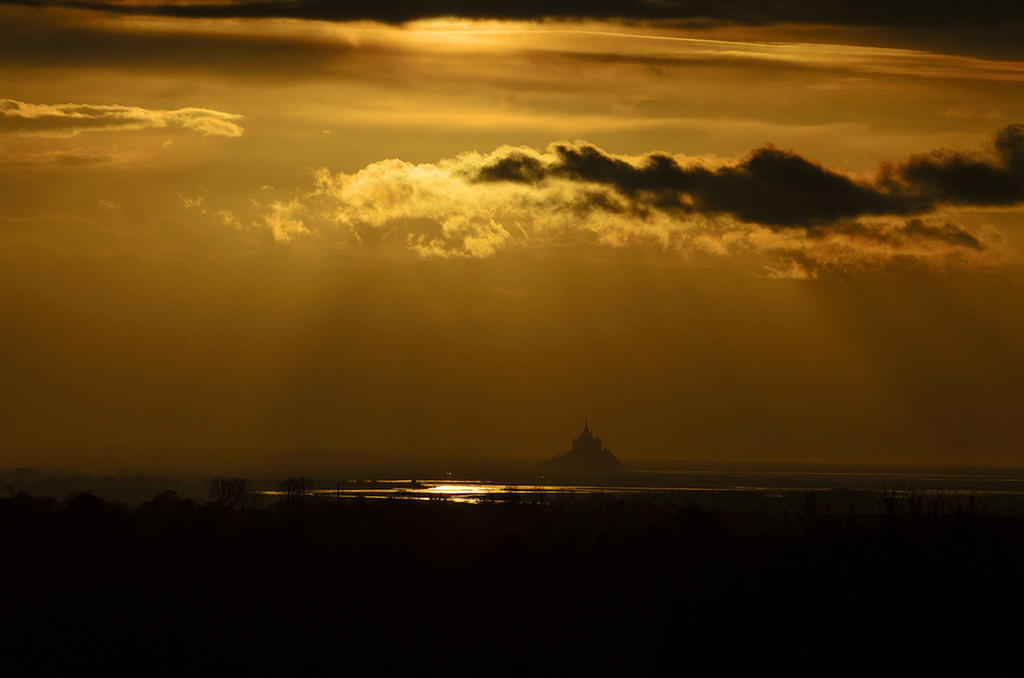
<point x="780" y="189"/>
<point x="62" y="39"/>
<point x="947" y="233"/>
<point x="913" y="231"/>
<point x="770" y="187"/>
<point x="515" y="166"/>
<point x="971" y="179"/>
<point x="746" y="12"/>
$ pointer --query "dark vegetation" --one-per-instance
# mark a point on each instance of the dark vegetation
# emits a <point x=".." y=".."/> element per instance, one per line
<point x="609" y="586"/>
<point x="128" y="487"/>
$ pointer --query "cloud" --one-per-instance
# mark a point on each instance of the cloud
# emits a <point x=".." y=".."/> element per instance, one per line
<point x="959" y="178"/>
<point x="789" y="269"/>
<point x="282" y="49"/>
<point x="282" y="221"/>
<point x="770" y="203"/>
<point x="770" y="186"/>
<point x="74" y="157"/>
<point x="746" y="12"/>
<point x="72" y="119"/>
<point x="951" y="234"/>
<point x="778" y="188"/>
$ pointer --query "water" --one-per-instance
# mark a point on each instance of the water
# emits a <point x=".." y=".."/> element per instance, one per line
<point x="769" y="481"/>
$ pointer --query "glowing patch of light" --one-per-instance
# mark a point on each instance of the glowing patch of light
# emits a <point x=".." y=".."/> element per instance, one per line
<point x="460" y="489"/>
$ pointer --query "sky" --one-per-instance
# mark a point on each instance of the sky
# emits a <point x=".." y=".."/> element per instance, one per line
<point x="731" y="231"/>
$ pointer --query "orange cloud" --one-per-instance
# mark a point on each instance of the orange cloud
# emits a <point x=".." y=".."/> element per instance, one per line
<point x="67" y="120"/>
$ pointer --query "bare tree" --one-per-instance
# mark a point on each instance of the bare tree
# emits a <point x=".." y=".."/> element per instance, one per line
<point x="232" y="493"/>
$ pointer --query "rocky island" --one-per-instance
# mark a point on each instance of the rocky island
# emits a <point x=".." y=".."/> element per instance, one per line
<point x="587" y="457"/>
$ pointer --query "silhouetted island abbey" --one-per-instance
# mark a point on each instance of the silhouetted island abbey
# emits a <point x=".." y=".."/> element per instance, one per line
<point x="587" y="456"/>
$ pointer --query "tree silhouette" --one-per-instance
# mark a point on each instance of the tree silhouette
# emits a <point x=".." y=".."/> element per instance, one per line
<point x="230" y="492"/>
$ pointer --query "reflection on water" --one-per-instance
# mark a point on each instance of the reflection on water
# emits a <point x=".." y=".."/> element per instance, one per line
<point x="459" y="489"/>
<point x="475" y="491"/>
<point x="769" y="483"/>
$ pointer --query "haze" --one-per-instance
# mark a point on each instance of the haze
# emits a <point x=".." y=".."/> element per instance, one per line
<point x="786" y="236"/>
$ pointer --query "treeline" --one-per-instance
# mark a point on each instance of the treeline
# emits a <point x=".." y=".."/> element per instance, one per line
<point x="605" y="585"/>
<point x="128" y="487"/>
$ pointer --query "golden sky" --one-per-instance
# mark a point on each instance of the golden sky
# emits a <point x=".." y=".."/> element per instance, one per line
<point x="720" y="231"/>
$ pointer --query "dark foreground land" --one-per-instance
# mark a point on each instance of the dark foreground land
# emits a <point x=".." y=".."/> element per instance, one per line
<point x="656" y="584"/>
